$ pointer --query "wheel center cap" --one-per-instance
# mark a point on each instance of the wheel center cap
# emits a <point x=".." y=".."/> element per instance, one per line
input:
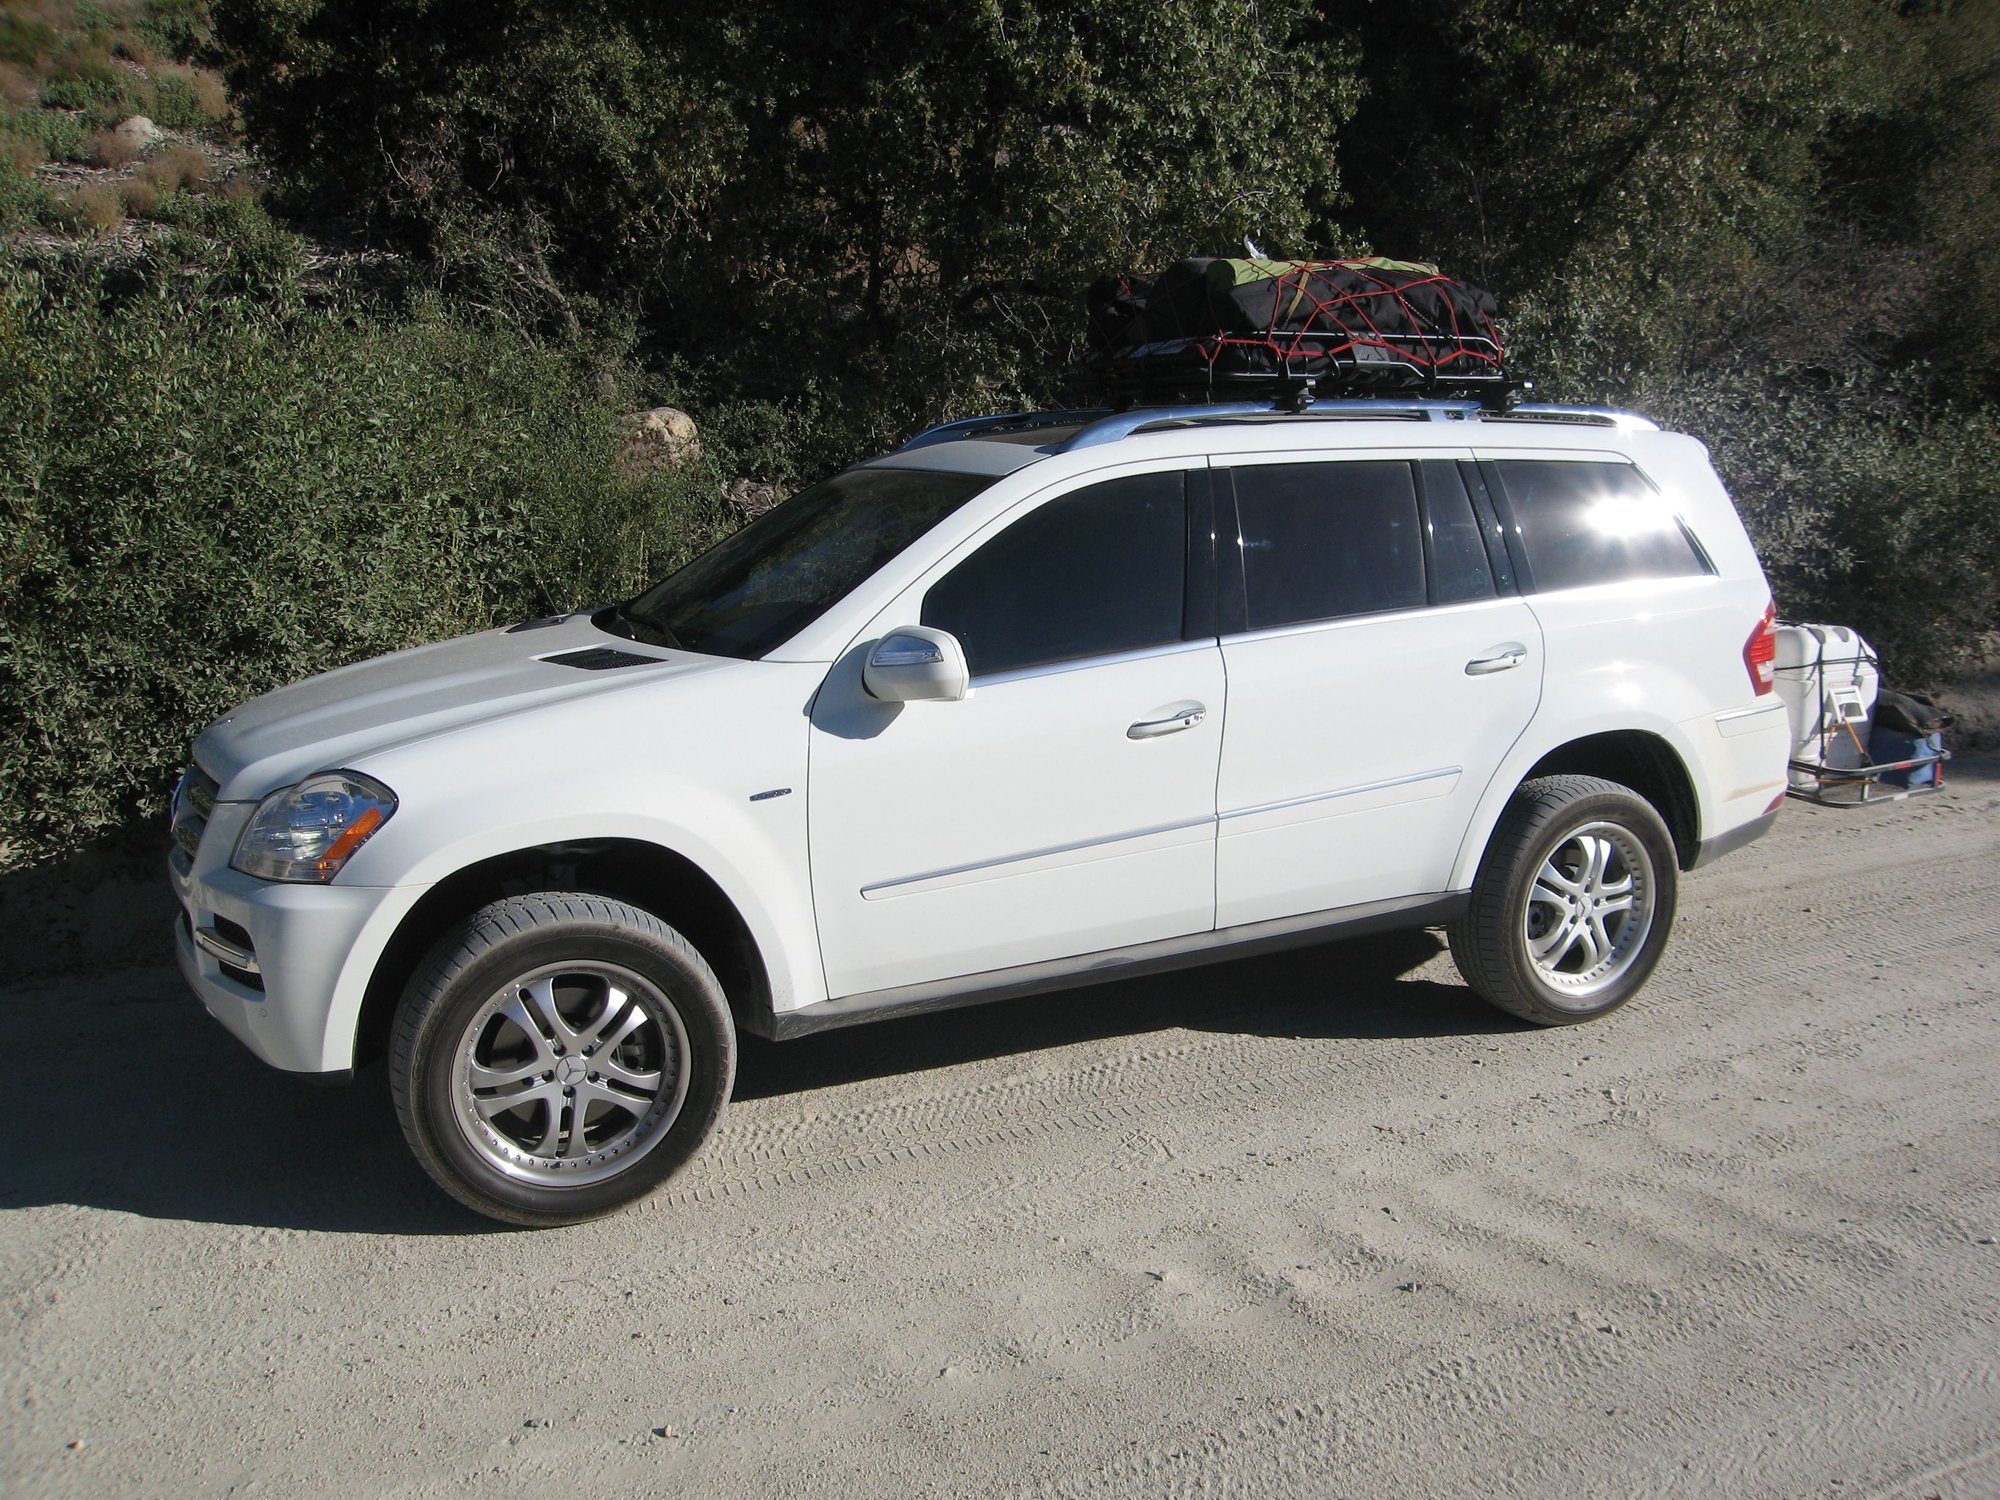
<point x="571" y="1070"/>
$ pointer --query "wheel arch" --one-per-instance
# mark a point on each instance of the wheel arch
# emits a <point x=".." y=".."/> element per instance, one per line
<point x="1646" y="763"/>
<point x="658" y="880"/>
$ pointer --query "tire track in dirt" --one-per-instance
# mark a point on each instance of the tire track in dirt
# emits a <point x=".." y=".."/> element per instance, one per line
<point x="1322" y="1441"/>
<point x="1706" y="972"/>
<point x="1158" y="1083"/>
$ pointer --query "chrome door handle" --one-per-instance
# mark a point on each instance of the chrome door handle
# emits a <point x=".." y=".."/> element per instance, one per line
<point x="1512" y="657"/>
<point x="1153" y="728"/>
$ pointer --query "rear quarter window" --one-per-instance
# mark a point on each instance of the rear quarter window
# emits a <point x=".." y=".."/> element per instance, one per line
<point x="1588" y="522"/>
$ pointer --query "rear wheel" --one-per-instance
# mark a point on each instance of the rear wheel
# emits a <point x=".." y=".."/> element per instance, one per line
<point x="1572" y="904"/>
<point x="559" y="1056"/>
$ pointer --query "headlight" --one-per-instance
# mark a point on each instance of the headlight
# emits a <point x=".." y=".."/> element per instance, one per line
<point x="307" y="832"/>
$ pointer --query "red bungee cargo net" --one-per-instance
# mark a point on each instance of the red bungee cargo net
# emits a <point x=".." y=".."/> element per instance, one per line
<point x="1208" y="328"/>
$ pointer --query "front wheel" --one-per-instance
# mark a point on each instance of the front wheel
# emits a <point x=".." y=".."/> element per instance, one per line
<point x="558" y="1056"/>
<point x="1572" y="903"/>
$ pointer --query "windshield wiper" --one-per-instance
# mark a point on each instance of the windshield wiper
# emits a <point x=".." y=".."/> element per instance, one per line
<point x="643" y="628"/>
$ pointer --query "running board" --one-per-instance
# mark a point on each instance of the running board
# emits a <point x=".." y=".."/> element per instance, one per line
<point x="1115" y="963"/>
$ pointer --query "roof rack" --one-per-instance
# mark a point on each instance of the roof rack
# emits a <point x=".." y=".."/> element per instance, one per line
<point x="1100" y="426"/>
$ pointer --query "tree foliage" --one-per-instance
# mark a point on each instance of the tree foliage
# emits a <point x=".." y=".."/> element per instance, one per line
<point x="904" y="202"/>
<point x="1679" y="185"/>
<point x="1773" y="223"/>
<point x="207" y="491"/>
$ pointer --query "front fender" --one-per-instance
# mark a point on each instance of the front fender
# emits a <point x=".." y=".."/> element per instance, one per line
<point x="712" y="769"/>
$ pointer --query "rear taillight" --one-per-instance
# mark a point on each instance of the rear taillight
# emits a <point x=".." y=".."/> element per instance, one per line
<point x="1760" y="652"/>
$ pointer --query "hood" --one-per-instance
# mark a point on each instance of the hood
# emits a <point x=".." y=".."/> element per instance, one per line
<point x="338" y="719"/>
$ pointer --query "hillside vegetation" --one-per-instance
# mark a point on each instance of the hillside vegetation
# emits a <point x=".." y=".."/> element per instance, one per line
<point x="328" y="357"/>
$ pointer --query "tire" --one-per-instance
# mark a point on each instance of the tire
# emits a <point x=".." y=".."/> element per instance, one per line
<point x="1572" y="904"/>
<point x="559" y="1000"/>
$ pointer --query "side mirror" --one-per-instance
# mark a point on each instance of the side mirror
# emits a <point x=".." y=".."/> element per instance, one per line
<point x="913" y="663"/>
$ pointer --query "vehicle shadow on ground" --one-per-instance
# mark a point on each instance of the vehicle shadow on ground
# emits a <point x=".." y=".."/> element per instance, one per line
<point x="1354" y="989"/>
<point x="185" y="1124"/>
<point x="189" y="1126"/>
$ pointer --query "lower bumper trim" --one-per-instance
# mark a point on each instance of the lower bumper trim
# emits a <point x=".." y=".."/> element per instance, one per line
<point x="1728" y="843"/>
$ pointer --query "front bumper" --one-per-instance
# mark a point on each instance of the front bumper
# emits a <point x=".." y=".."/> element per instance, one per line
<point x="282" y="967"/>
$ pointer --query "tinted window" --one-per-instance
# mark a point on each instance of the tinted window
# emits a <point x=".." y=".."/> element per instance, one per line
<point x="1331" y="539"/>
<point x="1459" y="569"/>
<point x="1583" y="523"/>
<point x="789" y="566"/>
<point x="1100" y="571"/>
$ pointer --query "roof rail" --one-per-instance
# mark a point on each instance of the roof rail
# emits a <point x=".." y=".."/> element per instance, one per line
<point x="1099" y="426"/>
<point x="1015" y="421"/>
<point x="1123" y="424"/>
<point x="1594" y="416"/>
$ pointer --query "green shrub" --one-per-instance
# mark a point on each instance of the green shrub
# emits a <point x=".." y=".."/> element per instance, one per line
<point x="1873" y="503"/>
<point x="179" y="28"/>
<point x="209" y="493"/>
<point x="23" y="38"/>
<point x="87" y="80"/>
<point x="176" y="103"/>
<point x="97" y="22"/>
<point x="63" y="137"/>
<point x="23" y="200"/>
<point x="232" y="235"/>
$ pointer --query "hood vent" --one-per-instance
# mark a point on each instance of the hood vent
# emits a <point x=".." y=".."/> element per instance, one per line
<point x="603" y="659"/>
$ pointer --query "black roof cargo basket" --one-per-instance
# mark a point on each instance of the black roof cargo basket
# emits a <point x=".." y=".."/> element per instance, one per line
<point x="1213" y="329"/>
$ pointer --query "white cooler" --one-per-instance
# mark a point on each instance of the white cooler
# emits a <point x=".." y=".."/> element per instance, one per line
<point x="1828" y="677"/>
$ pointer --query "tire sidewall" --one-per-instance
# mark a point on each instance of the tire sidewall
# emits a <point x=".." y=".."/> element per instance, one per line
<point x="685" y="983"/>
<point x="1634" y="814"/>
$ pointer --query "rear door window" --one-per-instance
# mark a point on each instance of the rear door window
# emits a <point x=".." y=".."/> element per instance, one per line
<point x="1587" y="522"/>
<point x="1326" y="540"/>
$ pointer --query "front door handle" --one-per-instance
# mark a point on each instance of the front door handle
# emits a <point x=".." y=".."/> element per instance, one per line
<point x="1513" y="656"/>
<point x="1186" y="718"/>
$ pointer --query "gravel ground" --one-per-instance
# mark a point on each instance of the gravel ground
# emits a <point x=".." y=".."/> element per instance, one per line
<point x="1311" y="1224"/>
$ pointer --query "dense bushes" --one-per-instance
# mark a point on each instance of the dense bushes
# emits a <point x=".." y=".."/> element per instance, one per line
<point x="1773" y="223"/>
<point x="1872" y="504"/>
<point x="897" y="203"/>
<point x="209" y="492"/>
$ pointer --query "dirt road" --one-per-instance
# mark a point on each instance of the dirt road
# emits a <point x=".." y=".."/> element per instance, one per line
<point x="1316" y="1224"/>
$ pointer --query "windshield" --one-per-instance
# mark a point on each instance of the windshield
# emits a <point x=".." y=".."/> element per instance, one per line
<point x="789" y="566"/>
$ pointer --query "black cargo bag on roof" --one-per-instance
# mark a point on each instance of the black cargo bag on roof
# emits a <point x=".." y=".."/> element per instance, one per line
<point x="1210" y="329"/>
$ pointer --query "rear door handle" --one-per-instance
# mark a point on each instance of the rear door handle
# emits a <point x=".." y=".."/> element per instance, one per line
<point x="1513" y="656"/>
<point x="1150" y="729"/>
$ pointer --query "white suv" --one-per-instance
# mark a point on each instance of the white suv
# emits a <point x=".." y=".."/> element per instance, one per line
<point x="1033" y="701"/>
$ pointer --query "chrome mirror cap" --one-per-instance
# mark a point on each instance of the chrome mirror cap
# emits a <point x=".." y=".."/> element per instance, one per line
<point x="913" y="664"/>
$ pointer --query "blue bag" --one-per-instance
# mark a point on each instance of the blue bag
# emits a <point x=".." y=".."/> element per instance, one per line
<point x="1886" y="746"/>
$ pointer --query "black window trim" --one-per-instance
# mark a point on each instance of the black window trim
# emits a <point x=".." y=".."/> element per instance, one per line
<point x="1232" y="600"/>
<point x="1422" y="467"/>
<point x="1501" y="551"/>
<point x="1200" y="616"/>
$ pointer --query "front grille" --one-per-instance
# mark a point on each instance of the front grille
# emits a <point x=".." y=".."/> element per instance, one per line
<point x="194" y="801"/>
